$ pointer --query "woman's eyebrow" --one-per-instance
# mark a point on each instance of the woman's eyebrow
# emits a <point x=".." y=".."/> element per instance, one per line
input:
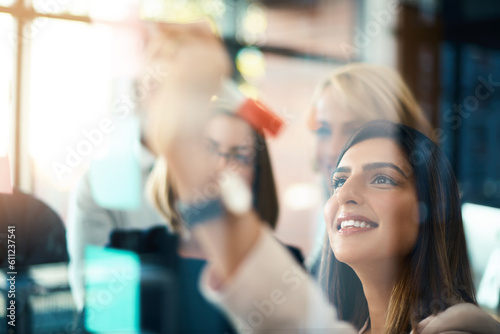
<point x="377" y="165"/>
<point x="341" y="170"/>
<point x="213" y="142"/>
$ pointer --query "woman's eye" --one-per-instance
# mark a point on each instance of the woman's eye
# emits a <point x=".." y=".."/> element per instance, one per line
<point x="244" y="159"/>
<point x="338" y="182"/>
<point x="381" y="179"/>
<point x="323" y="132"/>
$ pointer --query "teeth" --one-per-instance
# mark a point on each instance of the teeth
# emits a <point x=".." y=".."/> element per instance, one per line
<point x="355" y="223"/>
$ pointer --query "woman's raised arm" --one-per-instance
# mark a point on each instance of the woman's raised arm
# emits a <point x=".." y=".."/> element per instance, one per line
<point x="250" y="275"/>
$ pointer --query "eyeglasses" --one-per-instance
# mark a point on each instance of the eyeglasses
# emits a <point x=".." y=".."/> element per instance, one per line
<point x="241" y="155"/>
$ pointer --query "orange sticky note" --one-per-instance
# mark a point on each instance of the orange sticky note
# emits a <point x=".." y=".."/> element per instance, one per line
<point x="5" y="178"/>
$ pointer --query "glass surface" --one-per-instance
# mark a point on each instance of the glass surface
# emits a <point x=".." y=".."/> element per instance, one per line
<point x="7" y="45"/>
<point x="115" y="179"/>
<point x="72" y="71"/>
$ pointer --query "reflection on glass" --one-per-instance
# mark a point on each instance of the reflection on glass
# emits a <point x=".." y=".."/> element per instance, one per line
<point x="70" y="83"/>
<point x="6" y="83"/>
<point x="72" y="69"/>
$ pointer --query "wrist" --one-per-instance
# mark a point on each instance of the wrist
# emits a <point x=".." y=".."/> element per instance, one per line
<point x="196" y="213"/>
<point x="233" y="198"/>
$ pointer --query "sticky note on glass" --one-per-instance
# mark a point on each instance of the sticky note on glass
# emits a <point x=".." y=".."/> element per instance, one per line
<point x="112" y="296"/>
<point x="115" y="179"/>
<point x="5" y="176"/>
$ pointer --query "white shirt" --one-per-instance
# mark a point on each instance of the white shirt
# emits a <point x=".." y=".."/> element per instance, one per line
<point x="91" y="224"/>
<point x="271" y="293"/>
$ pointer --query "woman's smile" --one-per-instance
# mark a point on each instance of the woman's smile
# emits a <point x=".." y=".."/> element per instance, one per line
<point x="351" y="223"/>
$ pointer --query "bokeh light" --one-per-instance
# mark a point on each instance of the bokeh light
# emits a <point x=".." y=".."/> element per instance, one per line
<point x="251" y="63"/>
<point x="253" y="24"/>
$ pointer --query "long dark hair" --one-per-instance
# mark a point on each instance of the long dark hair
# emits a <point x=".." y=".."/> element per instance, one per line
<point x="263" y="188"/>
<point x="436" y="274"/>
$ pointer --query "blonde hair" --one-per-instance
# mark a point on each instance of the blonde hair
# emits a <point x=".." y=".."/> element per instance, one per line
<point x="160" y="191"/>
<point x="373" y="92"/>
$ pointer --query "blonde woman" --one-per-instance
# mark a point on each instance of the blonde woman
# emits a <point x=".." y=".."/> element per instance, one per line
<point x="350" y="97"/>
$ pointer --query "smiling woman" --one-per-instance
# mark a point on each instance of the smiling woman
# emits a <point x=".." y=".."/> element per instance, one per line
<point x="371" y="184"/>
<point x="397" y="248"/>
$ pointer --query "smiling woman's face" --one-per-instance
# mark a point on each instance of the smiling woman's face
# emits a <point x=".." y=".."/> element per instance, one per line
<point x="372" y="214"/>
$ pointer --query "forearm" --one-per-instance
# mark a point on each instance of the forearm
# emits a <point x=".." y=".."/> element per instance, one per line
<point x="270" y="293"/>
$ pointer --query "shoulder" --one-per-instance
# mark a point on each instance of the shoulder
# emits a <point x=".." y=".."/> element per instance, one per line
<point x="462" y="318"/>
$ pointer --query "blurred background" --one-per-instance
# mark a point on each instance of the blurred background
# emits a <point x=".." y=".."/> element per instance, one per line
<point x="64" y="68"/>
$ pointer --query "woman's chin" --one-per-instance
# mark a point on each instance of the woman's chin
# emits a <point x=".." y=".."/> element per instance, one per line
<point x="350" y="258"/>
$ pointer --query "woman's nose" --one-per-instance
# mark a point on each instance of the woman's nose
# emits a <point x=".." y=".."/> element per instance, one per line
<point x="350" y="192"/>
<point x="222" y="161"/>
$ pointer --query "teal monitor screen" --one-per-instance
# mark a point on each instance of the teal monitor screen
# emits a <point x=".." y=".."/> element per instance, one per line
<point x="112" y="298"/>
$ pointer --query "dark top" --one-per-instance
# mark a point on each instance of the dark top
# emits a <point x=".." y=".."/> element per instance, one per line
<point x="39" y="232"/>
<point x="184" y="305"/>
